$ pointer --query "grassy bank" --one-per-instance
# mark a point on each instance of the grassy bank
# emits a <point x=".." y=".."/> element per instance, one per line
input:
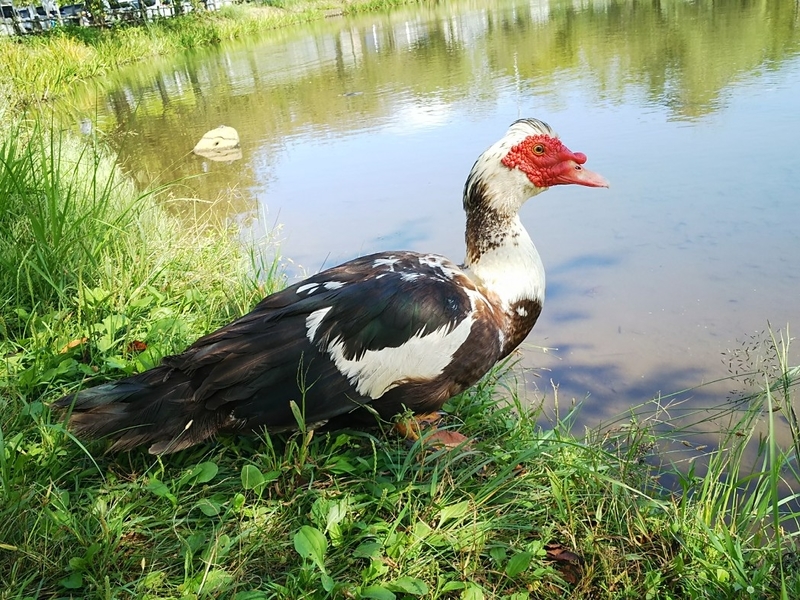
<point x="39" y="68"/>
<point x="98" y="280"/>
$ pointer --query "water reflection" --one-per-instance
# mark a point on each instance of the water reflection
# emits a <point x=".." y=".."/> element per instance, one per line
<point x="414" y="68"/>
<point x="357" y="135"/>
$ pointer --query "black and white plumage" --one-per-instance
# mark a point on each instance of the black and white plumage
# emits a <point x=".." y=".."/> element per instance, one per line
<point x="393" y="330"/>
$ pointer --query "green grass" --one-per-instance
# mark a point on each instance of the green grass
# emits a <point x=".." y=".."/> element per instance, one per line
<point x="357" y="515"/>
<point x="84" y="256"/>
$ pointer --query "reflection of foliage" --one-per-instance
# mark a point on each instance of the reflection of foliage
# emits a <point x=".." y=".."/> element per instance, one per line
<point x="682" y="55"/>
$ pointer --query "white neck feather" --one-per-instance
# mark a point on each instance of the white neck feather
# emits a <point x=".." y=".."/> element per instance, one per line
<point x="512" y="270"/>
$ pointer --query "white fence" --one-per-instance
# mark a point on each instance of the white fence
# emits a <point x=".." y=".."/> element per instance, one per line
<point x="19" y="20"/>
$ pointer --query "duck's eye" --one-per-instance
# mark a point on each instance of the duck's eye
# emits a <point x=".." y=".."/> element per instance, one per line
<point x="538" y="149"/>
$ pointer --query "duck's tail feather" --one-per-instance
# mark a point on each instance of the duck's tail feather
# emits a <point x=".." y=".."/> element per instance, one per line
<point x="154" y="407"/>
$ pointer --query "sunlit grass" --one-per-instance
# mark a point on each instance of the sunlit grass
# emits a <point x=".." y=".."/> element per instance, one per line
<point x="524" y="512"/>
<point x="98" y="280"/>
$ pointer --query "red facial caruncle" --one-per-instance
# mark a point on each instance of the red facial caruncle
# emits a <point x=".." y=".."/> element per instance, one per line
<point x="547" y="162"/>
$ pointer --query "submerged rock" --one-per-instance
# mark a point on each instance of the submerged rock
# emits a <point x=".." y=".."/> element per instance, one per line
<point x="220" y="144"/>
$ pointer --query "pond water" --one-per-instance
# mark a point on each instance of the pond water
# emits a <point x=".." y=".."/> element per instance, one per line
<point x="357" y="135"/>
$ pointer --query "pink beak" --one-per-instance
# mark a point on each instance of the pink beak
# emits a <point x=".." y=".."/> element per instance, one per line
<point x="571" y="170"/>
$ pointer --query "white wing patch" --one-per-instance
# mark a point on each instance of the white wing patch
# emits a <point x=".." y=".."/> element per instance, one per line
<point x="439" y="262"/>
<point x="409" y="275"/>
<point x="386" y="262"/>
<point x="308" y="287"/>
<point x="311" y="288"/>
<point x="313" y="320"/>
<point x="424" y="356"/>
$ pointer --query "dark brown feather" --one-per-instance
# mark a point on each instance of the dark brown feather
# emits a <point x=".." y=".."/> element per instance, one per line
<point x="244" y="376"/>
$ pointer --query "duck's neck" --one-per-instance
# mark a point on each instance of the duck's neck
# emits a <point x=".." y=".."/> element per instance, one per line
<point x="501" y="257"/>
<point x="503" y="262"/>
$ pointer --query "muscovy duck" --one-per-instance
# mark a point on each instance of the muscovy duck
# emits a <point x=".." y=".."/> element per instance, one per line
<point x="383" y="333"/>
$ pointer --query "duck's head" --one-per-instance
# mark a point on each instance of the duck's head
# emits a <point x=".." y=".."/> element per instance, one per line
<point x="527" y="160"/>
